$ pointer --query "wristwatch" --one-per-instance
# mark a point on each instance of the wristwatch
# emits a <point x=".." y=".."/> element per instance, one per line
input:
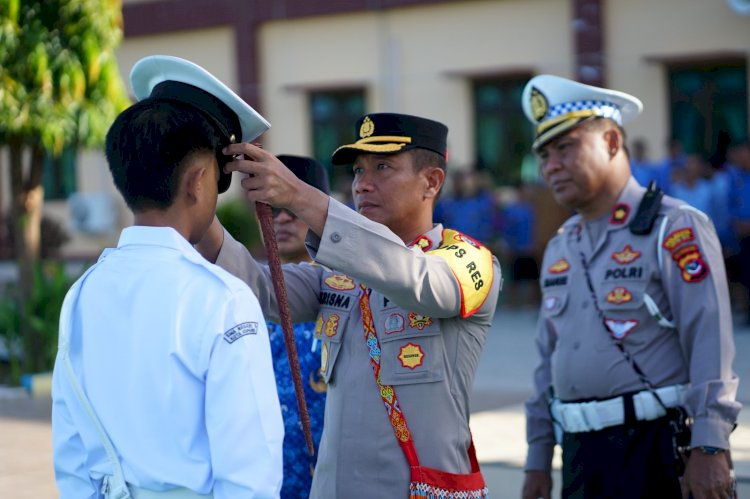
<point x="711" y="451"/>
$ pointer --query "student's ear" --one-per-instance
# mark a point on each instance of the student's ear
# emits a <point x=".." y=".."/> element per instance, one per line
<point x="193" y="181"/>
<point x="435" y="179"/>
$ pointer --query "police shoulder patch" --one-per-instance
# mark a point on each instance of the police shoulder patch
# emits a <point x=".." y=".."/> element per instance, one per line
<point x="241" y="330"/>
<point x="471" y="263"/>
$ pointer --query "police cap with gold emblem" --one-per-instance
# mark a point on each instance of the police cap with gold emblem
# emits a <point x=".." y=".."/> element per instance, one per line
<point x="390" y="133"/>
<point x="167" y="77"/>
<point x="555" y="105"/>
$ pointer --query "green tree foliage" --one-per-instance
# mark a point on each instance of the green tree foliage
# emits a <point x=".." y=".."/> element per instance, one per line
<point x="59" y="81"/>
<point x="59" y="87"/>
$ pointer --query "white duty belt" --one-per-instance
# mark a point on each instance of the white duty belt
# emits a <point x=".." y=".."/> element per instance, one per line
<point x="593" y="416"/>
<point x="114" y="485"/>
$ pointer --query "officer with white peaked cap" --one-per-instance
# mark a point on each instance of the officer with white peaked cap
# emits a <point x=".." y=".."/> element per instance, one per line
<point x="635" y="329"/>
<point x="163" y="385"/>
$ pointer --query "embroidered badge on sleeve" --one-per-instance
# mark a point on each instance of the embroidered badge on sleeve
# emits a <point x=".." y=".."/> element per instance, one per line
<point x="690" y="261"/>
<point x="241" y="330"/>
<point x="676" y="238"/>
<point x="471" y="263"/>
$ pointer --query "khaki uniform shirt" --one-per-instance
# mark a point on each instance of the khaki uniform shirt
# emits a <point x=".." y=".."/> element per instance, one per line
<point x="429" y="352"/>
<point x="679" y="267"/>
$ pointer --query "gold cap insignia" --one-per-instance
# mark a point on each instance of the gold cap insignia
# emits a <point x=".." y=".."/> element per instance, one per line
<point x="539" y="104"/>
<point x="367" y="128"/>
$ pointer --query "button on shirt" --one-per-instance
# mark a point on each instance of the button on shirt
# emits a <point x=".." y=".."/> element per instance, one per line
<point x="173" y="354"/>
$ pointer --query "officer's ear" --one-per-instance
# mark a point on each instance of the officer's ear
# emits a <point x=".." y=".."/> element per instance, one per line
<point x="435" y="177"/>
<point x="613" y="140"/>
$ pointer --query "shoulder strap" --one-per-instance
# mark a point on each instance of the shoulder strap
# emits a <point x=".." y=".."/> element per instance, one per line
<point x="117" y="487"/>
<point x="648" y="210"/>
<point x="388" y="393"/>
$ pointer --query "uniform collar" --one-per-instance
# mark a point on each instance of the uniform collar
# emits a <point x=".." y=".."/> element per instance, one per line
<point x="430" y="240"/>
<point x="166" y="237"/>
<point x="627" y="204"/>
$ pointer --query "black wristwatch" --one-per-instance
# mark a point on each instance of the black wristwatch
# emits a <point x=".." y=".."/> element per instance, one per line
<point x="711" y="451"/>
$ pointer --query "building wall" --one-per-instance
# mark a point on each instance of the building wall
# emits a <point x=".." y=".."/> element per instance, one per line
<point x="642" y="34"/>
<point x="414" y="60"/>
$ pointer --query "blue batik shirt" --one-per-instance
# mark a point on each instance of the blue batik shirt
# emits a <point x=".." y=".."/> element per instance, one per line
<point x="297" y="461"/>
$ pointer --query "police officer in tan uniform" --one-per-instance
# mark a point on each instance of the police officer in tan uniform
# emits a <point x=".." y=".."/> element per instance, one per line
<point x="635" y="327"/>
<point x="429" y="293"/>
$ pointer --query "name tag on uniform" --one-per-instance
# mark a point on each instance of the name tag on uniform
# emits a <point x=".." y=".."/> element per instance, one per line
<point x="241" y="330"/>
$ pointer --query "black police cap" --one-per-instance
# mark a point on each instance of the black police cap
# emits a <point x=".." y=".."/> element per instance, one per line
<point x="308" y="170"/>
<point x="391" y="133"/>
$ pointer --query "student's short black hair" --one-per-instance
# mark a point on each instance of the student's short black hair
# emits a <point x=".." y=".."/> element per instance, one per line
<point x="148" y="144"/>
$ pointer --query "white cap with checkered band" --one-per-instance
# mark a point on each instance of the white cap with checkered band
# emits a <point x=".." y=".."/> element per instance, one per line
<point x="555" y="105"/>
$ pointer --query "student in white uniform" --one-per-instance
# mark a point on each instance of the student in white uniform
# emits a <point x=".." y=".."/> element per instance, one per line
<point x="163" y="384"/>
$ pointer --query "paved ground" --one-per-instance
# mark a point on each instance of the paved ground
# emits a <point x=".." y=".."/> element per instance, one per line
<point x="503" y="383"/>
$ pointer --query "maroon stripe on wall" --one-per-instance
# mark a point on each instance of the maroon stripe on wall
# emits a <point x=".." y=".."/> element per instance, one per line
<point x="589" y="41"/>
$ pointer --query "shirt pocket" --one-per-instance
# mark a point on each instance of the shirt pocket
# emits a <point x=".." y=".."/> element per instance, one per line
<point x="554" y="303"/>
<point x="329" y="330"/>
<point x="624" y="312"/>
<point x="414" y="353"/>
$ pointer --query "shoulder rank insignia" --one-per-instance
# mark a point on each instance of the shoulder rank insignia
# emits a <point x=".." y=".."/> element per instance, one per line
<point x="676" y="238"/>
<point x="340" y="282"/>
<point x="620" y="214"/>
<point x="627" y="255"/>
<point x="690" y="261"/>
<point x="422" y="242"/>
<point x="619" y="295"/>
<point x="559" y="266"/>
<point x="471" y="263"/>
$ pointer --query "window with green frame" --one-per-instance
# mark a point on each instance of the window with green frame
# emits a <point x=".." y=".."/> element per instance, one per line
<point x="503" y="135"/>
<point x="708" y="105"/>
<point x="333" y="115"/>
<point x="59" y="174"/>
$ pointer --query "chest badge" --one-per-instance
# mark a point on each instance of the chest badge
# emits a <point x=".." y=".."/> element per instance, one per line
<point x="324" y="358"/>
<point x="620" y="328"/>
<point x="627" y="255"/>
<point x="394" y="323"/>
<point x="332" y="325"/>
<point x="419" y="321"/>
<point x="559" y="266"/>
<point x="411" y="355"/>
<point x="619" y="295"/>
<point x="340" y="282"/>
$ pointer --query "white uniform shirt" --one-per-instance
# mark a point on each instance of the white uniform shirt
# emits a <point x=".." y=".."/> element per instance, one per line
<point x="187" y="397"/>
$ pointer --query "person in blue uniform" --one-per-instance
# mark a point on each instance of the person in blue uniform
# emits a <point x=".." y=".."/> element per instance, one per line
<point x="290" y="238"/>
<point x="163" y="384"/>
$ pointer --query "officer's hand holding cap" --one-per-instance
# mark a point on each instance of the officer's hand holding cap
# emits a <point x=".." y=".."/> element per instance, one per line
<point x="168" y="77"/>
<point x="555" y="105"/>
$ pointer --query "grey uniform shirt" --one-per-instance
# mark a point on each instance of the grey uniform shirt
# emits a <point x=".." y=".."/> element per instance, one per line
<point x="679" y="267"/>
<point x="429" y="353"/>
